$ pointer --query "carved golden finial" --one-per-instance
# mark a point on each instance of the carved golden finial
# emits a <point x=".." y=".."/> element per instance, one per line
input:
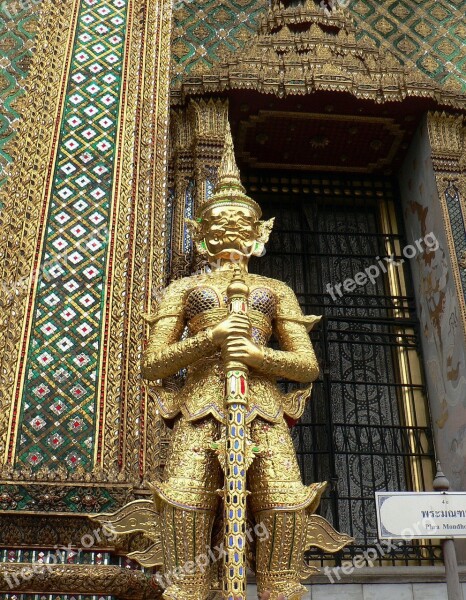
<point x="228" y="173"/>
<point x="229" y="189"/>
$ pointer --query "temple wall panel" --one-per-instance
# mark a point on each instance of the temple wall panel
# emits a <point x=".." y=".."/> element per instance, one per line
<point x="81" y="225"/>
<point x="440" y="295"/>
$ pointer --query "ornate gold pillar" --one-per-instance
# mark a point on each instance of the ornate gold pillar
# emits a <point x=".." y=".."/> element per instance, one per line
<point x="209" y="118"/>
<point x="198" y="133"/>
<point x="447" y="135"/>
<point x="131" y="230"/>
<point x="182" y="160"/>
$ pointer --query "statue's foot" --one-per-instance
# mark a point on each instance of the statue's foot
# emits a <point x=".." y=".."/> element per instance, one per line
<point x="287" y="591"/>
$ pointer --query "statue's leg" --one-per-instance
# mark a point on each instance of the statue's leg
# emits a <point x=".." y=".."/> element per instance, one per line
<point x="280" y="504"/>
<point x="187" y="502"/>
<point x="279" y="557"/>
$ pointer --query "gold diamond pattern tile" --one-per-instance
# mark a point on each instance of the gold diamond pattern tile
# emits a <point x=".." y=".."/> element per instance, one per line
<point x="384" y="26"/>
<point x="361" y="9"/>
<point x="439" y="12"/>
<point x="430" y="64"/>
<point x="423" y="29"/>
<point x="446" y="47"/>
<point x="401" y="12"/>
<point x="460" y="31"/>
<point x="222" y="16"/>
<point x="406" y="46"/>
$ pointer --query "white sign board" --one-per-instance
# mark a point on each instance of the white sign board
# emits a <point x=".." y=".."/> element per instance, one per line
<point x="420" y="515"/>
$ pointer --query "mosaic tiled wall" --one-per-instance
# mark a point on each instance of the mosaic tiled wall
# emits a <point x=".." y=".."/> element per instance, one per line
<point x="18" y="26"/>
<point x="80" y="499"/>
<point x="205" y="29"/>
<point x="427" y="34"/>
<point x="57" y="423"/>
<point x="453" y="202"/>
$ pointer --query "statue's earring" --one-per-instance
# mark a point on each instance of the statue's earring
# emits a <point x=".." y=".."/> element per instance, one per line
<point x="201" y="248"/>
<point x="264" y="229"/>
<point x="263" y="232"/>
<point x="194" y="228"/>
<point x="259" y="249"/>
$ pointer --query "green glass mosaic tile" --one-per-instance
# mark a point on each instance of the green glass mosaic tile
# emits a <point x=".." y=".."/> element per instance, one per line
<point x="18" y="26"/>
<point x="205" y="29"/>
<point x="59" y="400"/>
<point x="426" y="34"/>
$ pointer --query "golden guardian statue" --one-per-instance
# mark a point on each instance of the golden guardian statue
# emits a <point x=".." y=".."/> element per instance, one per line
<point x="229" y="436"/>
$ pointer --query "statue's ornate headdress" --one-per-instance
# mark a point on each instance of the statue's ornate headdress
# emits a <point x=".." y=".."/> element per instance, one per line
<point x="229" y="189"/>
<point x="229" y="192"/>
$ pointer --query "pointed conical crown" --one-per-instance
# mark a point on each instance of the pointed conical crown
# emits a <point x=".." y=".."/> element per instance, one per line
<point x="229" y="190"/>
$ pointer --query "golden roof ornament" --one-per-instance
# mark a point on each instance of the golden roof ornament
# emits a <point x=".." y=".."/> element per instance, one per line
<point x="228" y="173"/>
<point x="308" y="46"/>
<point x="229" y="190"/>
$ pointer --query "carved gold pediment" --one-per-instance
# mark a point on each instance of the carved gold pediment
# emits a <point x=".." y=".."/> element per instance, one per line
<point x="304" y="49"/>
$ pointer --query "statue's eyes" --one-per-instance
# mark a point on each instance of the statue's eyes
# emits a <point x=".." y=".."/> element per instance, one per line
<point x="244" y="222"/>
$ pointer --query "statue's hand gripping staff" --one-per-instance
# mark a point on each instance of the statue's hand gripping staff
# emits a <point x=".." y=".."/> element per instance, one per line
<point x="235" y="453"/>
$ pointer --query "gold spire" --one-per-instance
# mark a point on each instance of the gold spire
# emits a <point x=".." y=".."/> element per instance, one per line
<point x="228" y="173"/>
<point x="229" y="190"/>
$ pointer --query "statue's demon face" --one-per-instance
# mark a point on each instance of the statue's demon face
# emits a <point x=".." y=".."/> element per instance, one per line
<point x="230" y="232"/>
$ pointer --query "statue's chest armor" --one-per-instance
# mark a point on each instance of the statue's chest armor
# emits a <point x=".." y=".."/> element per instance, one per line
<point x="202" y="299"/>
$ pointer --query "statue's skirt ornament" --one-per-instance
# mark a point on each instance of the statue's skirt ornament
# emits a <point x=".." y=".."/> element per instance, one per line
<point x="230" y="442"/>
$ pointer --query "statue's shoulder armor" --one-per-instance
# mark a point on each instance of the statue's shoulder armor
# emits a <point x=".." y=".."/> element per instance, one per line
<point x="172" y="299"/>
<point x="274" y="285"/>
<point x="264" y="300"/>
<point x="201" y="298"/>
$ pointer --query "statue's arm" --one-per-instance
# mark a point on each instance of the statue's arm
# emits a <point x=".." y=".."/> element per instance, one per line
<point x="166" y="353"/>
<point x="296" y="360"/>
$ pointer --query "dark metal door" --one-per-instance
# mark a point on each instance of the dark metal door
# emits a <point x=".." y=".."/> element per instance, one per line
<point x="367" y="426"/>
